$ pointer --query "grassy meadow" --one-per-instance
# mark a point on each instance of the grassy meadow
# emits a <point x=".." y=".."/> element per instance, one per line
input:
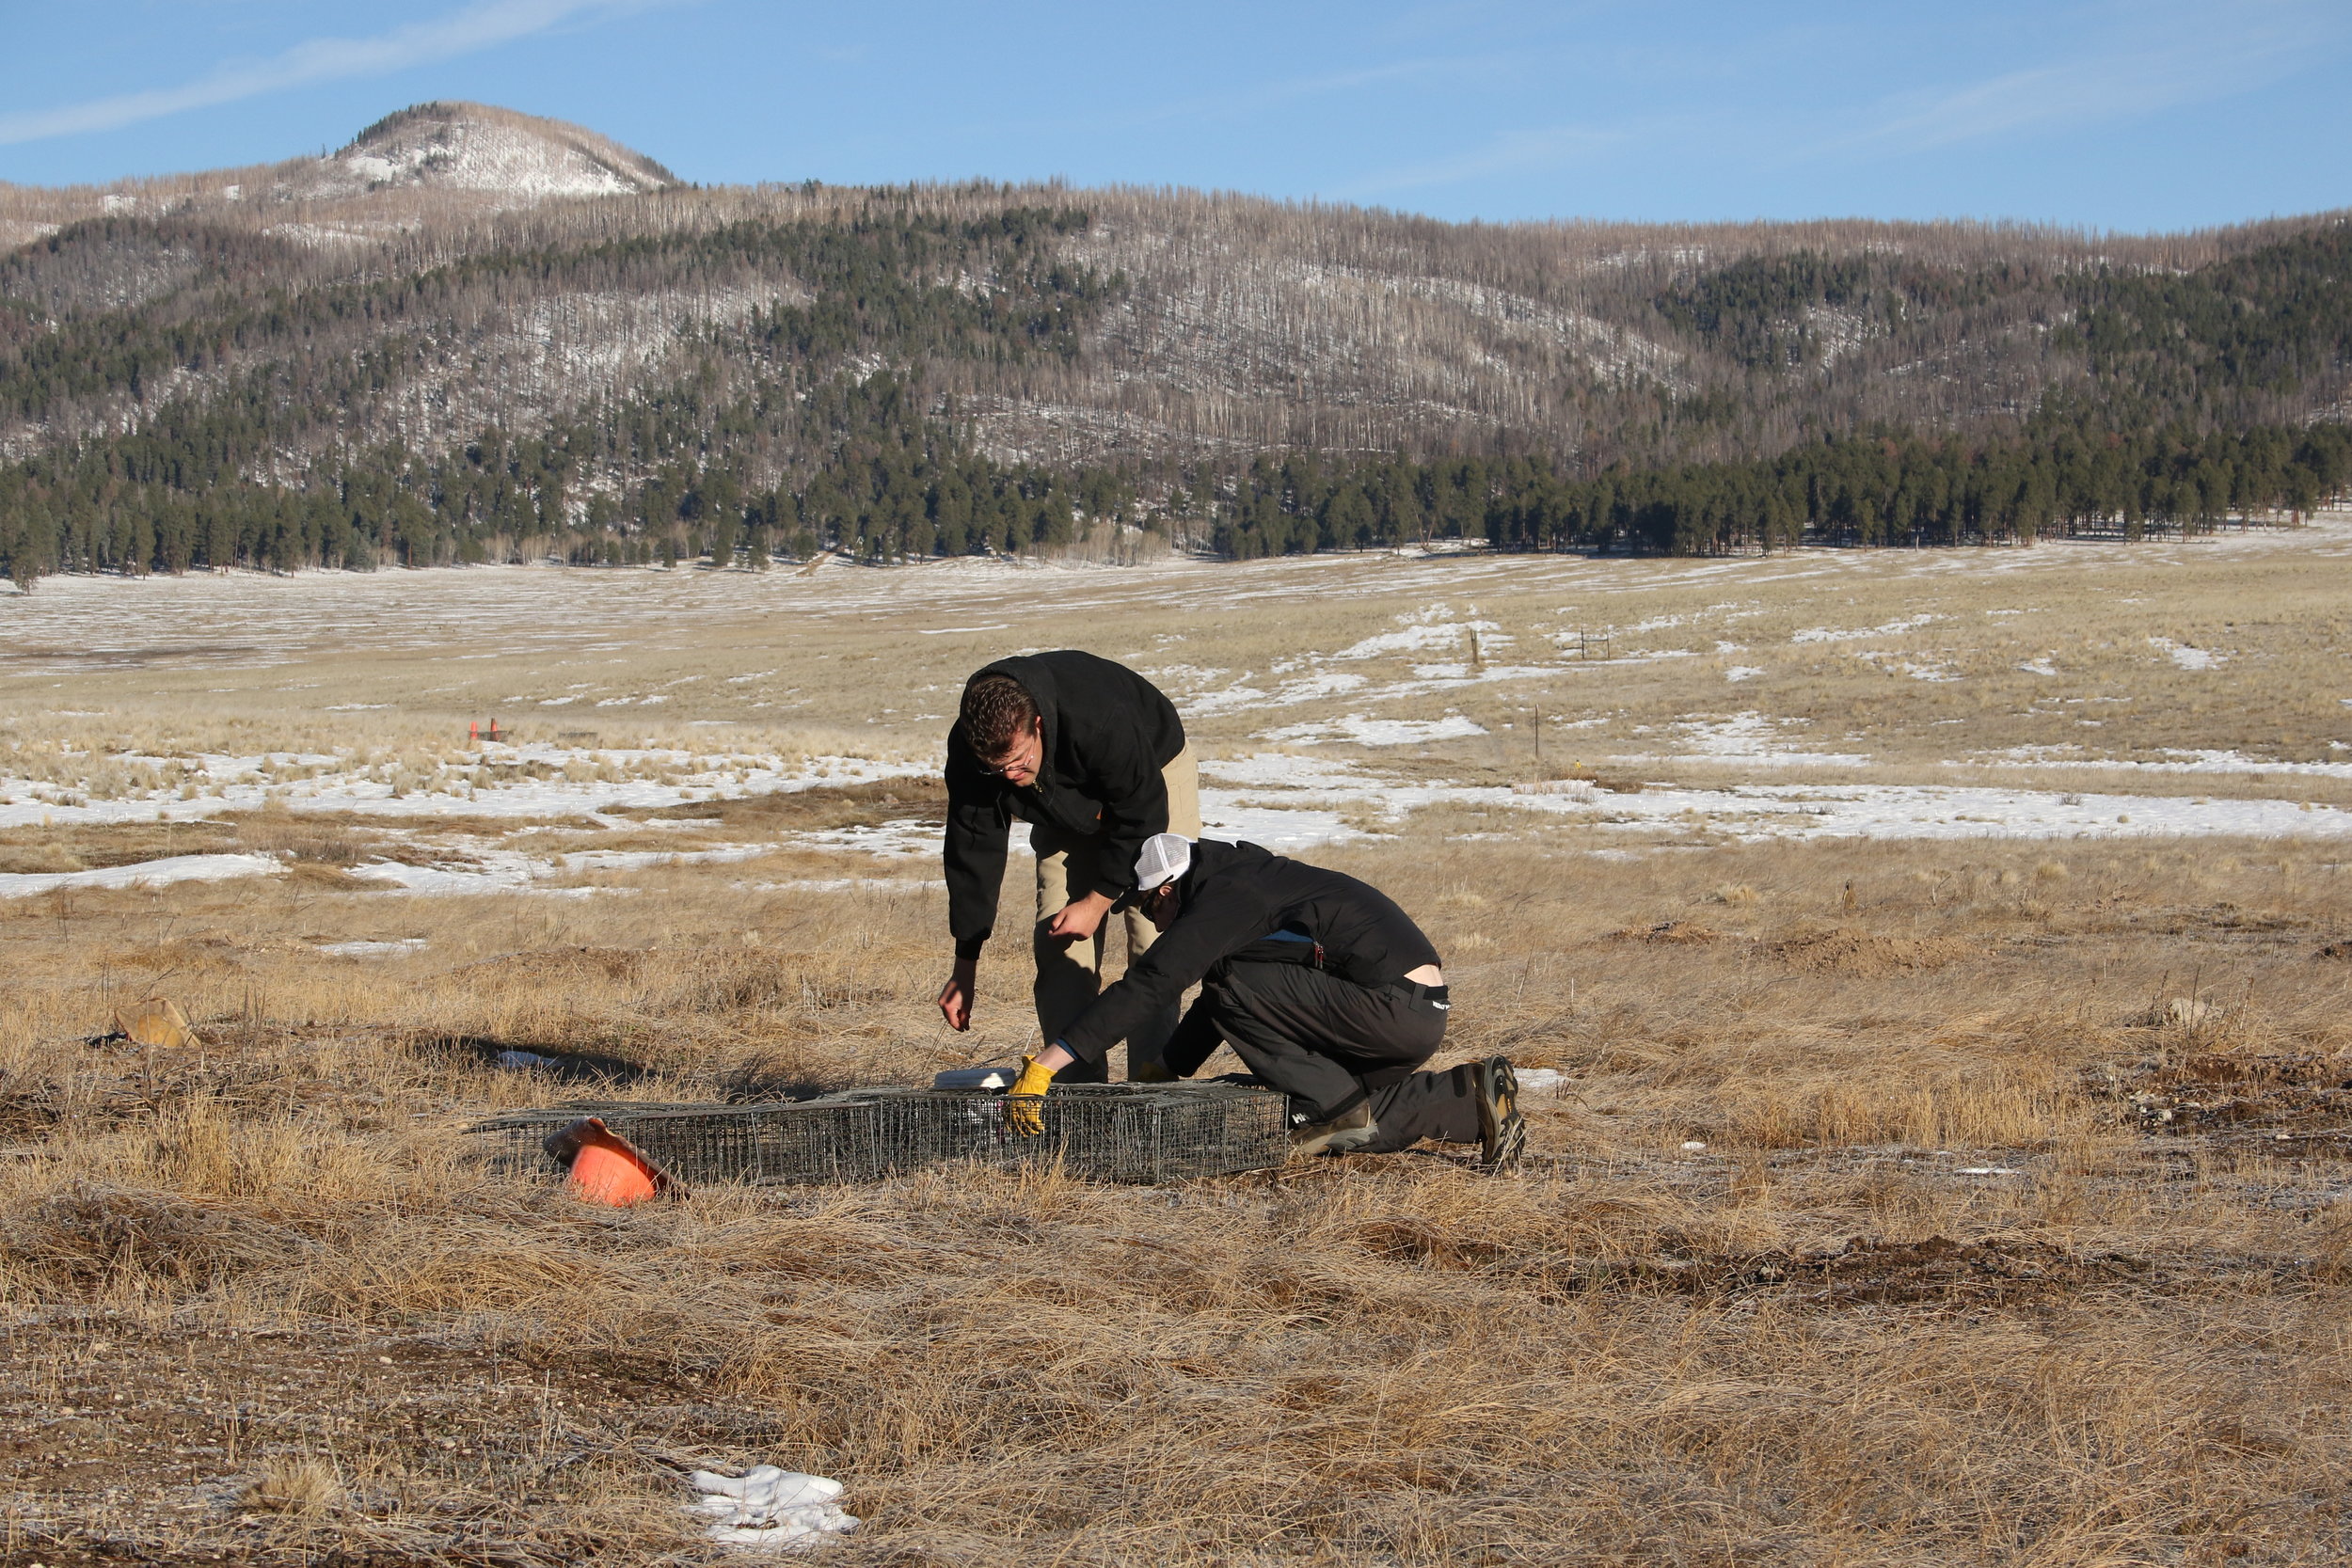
<point x="1948" y="956"/>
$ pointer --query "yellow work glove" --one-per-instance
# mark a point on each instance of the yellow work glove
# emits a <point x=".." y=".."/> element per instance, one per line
<point x="1025" y="1103"/>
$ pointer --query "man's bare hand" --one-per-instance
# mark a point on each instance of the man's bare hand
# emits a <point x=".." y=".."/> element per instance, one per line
<point x="1079" y="920"/>
<point x="955" y="997"/>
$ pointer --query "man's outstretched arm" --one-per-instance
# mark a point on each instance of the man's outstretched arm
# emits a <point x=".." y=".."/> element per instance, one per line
<point x="971" y="858"/>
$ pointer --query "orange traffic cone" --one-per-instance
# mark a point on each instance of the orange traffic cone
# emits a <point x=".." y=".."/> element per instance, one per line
<point x="605" y="1168"/>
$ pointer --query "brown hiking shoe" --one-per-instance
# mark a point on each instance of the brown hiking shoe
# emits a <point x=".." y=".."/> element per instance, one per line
<point x="1350" y="1130"/>
<point x="1501" y="1131"/>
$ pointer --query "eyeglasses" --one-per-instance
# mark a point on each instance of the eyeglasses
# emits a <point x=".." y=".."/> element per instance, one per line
<point x="1002" y="765"/>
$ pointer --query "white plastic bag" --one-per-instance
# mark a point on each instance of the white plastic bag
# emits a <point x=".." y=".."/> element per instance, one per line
<point x="769" y="1510"/>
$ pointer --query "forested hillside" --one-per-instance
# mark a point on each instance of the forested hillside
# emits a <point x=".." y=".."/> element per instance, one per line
<point x="470" y="335"/>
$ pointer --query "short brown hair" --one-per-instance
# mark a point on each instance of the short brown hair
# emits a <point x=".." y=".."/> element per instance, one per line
<point x="997" y="712"/>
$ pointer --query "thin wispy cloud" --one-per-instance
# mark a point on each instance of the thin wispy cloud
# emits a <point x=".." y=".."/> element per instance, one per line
<point x="2044" y="97"/>
<point x="466" y="31"/>
<point x="1520" y="151"/>
<point x="2097" y="87"/>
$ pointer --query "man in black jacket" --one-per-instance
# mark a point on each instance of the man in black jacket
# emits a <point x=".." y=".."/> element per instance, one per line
<point x="1093" y="756"/>
<point x="1325" y="987"/>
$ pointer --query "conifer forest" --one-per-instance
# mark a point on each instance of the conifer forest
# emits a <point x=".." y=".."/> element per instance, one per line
<point x="406" y="377"/>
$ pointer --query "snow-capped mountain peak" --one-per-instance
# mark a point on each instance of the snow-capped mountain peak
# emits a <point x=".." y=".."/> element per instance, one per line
<point x="475" y="148"/>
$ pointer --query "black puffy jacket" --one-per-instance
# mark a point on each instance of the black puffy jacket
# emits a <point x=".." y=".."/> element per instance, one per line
<point x="1108" y="731"/>
<point x="1235" y="898"/>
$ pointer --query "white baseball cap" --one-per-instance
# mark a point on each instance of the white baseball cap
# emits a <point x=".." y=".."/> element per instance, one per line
<point x="1164" y="858"/>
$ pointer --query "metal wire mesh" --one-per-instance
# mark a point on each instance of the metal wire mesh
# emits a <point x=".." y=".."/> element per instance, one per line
<point x="1134" y="1133"/>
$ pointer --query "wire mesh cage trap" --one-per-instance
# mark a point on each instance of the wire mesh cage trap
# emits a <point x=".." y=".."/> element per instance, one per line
<point x="1136" y="1133"/>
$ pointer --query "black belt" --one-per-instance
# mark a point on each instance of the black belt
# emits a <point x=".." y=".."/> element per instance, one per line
<point x="1421" y="992"/>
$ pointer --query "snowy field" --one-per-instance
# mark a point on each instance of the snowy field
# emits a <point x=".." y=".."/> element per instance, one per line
<point x="2065" y="691"/>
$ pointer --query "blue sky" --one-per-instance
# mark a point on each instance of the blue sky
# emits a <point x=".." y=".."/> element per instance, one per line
<point x="2109" y="114"/>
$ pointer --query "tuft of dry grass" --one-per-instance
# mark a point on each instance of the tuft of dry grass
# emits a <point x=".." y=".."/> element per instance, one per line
<point x="297" y="1485"/>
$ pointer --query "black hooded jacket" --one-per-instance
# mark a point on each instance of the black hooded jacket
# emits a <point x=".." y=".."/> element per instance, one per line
<point x="1108" y="731"/>
<point x="1235" y="899"/>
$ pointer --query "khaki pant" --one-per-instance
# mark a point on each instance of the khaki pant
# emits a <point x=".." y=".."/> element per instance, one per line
<point x="1069" y="973"/>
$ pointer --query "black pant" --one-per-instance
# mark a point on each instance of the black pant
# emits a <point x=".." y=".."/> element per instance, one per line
<point x="1331" y="1044"/>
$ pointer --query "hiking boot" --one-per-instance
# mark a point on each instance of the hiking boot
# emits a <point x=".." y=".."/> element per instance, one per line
<point x="1501" y="1131"/>
<point x="1350" y="1130"/>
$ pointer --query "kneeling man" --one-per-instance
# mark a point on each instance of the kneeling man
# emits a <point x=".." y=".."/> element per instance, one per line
<point x="1325" y="988"/>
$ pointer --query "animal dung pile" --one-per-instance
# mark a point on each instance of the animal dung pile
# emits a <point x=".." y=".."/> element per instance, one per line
<point x="1132" y="1133"/>
<point x="1675" y="932"/>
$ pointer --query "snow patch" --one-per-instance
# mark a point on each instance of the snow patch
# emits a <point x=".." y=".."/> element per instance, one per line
<point x="1288" y="695"/>
<point x="2175" y="760"/>
<point x="1354" y="727"/>
<point x="508" y="788"/>
<point x="1892" y="628"/>
<point x="1746" y="738"/>
<point x="2187" y="657"/>
<point x="1450" y="636"/>
<point x="1335" y="799"/>
<point x="174" y="868"/>
<point x="396" y="948"/>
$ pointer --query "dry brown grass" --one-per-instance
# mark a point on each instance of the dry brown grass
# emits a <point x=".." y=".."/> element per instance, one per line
<point x="1991" y="1255"/>
<point x="290" y="1316"/>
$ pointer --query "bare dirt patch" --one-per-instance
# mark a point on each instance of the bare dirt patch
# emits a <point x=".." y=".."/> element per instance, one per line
<point x="1850" y="951"/>
<point x="240" y="1445"/>
<point x="865" y="805"/>
<point x="2303" y="1099"/>
<point x="1936" y="1270"/>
